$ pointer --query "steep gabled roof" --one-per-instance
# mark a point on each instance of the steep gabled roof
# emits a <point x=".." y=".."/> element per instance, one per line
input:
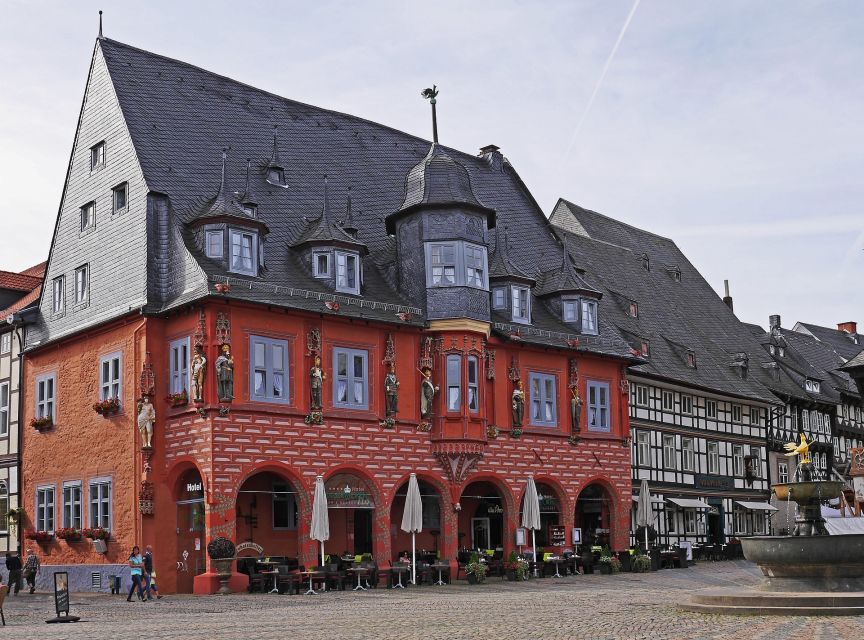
<point x="18" y="281"/>
<point x="847" y="345"/>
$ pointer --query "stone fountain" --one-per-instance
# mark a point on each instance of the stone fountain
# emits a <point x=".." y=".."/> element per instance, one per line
<point x="807" y="573"/>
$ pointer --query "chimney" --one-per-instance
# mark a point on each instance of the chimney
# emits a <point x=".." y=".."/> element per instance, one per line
<point x="848" y="327"/>
<point x="773" y="322"/>
<point x="727" y="299"/>
<point x="492" y="154"/>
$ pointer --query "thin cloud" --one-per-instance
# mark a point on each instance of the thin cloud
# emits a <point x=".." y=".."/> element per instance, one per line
<point x="825" y="225"/>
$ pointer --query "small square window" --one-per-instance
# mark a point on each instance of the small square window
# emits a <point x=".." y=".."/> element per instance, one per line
<point x="97" y="156"/>
<point x="276" y="175"/>
<point x="88" y="216"/>
<point x="321" y="265"/>
<point x="214" y="241"/>
<point x="250" y="210"/>
<point x="82" y="284"/>
<point x="121" y="193"/>
<point x="499" y="298"/>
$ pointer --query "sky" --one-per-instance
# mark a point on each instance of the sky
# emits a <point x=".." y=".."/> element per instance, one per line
<point x="734" y="128"/>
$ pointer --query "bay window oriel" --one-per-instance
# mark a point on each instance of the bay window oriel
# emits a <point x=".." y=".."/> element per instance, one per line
<point x="454" y="383"/>
<point x="456" y="263"/>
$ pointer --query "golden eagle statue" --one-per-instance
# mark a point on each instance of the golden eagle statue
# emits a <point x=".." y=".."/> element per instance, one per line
<point x="802" y="450"/>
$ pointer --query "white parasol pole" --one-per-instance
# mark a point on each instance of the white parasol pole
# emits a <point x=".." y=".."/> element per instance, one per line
<point x="322" y="553"/>
<point x="534" y="544"/>
<point x="413" y="558"/>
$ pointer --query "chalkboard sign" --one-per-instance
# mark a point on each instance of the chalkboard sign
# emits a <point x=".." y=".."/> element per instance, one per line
<point x="61" y="592"/>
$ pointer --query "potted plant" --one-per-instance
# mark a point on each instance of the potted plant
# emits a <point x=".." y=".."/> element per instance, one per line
<point x="69" y="534"/>
<point x="475" y="570"/>
<point x="222" y="551"/>
<point x="42" y="424"/>
<point x="641" y="563"/>
<point x="107" y="407"/>
<point x="517" y="568"/>
<point x="97" y="533"/>
<point x="41" y="537"/>
<point x="178" y="399"/>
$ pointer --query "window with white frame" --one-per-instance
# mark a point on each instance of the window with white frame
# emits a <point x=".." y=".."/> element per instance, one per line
<point x="269" y="369"/>
<point x="244" y="247"/>
<point x="4" y="409"/>
<point x="589" y="316"/>
<point x="737" y="460"/>
<point x="58" y="290"/>
<point x="46" y="389"/>
<point x="571" y="310"/>
<point x="543" y="395"/>
<point x="598" y="406"/>
<point x="178" y="365"/>
<point x="805" y="419"/>
<point x="641" y="395"/>
<point x="45" y="508"/>
<point x="690" y="521"/>
<point x="499" y="298"/>
<point x="755" y="416"/>
<point x="97" y="156"/>
<point x="109" y="377"/>
<point x="350" y="390"/>
<point x="347" y="272"/>
<point x="668" y="401"/>
<point x="711" y="408"/>
<point x="456" y="263"/>
<point x="214" y="241"/>
<point x="284" y="506"/>
<point x="473" y="384"/>
<point x="739" y="518"/>
<point x="688" y="455"/>
<point x="643" y="448"/>
<point x="736" y="413"/>
<point x="521" y="298"/>
<point x="454" y="383"/>
<point x="100" y="503"/>
<point x="669" y="452"/>
<point x="82" y="284"/>
<point x="72" y="505"/>
<point x="321" y="264"/>
<point x="6" y="342"/>
<point x="713" y="453"/>
<point x="88" y="216"/>
<point x="686" y="404"/>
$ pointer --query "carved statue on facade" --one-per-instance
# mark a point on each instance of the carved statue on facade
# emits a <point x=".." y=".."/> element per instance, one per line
<point x="225" y="374"/>
<point x="518" y="399"/>
<point x="427" y="393"/>
<point x="575" y="410"/>
<point x="146" y="419"/>
<point x="391" y="392"/>
<point x="199" y="372"/>
<point x="316" y="384"/>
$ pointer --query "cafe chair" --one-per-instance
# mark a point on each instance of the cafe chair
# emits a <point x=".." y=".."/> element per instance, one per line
<point x="288" y="580"/>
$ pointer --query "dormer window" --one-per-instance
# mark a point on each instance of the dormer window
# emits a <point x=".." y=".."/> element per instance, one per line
<point x="812" y="385"/>
<point x="634" y="309"/>
<point x="244" y="250"/>
<point x="646" y="263"/>
<point x="321" y="264"/>
<point x="213" y="243"/>
<point x="781" y="351"/>
<point x="521" y="297"/>
<point x="645" y="348"/>
<point x="571" y="310"/>
<point x="771" y="349"/>
<point x="691" y="359"/>
<point x="347" y="272"/>
<point x="251" y="210"/>
<point x="456" y="263"/>
<point x="276" y="175"/>
<point x="499" y="298"/>
<point x="589" y="317"/>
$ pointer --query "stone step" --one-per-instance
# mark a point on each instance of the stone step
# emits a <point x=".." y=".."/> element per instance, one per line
<point x="778" y="599"/>
<point x="766" y="610"/>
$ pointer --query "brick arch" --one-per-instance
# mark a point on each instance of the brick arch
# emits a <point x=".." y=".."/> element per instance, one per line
<point x="618" y="529"/>
<point x="374" y="487"/>
<point x="563" y="497"/>
<point x="181" y="466"/>
<point x="500" y="483"/>
<point x="281" y="469"/>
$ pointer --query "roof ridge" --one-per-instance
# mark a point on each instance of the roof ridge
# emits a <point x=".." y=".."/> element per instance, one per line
<point x="617" y="221"/>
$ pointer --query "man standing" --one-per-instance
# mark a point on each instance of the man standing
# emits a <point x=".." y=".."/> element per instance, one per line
<point x="13" y="564"/>
<point x="31" y="570"/>
<point x="148" y="571"/>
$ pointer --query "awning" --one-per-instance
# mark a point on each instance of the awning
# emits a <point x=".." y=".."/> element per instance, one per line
<point x="653" y="499"/>
<point x="689" y="503"/>
<point x="756" y="506"/>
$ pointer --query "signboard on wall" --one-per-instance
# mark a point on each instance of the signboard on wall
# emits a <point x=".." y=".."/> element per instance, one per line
<point x="520" y="537"/>
<point x="577" y="535"/>
<point x="244" y="546"/>
<point x="707" y="481"/>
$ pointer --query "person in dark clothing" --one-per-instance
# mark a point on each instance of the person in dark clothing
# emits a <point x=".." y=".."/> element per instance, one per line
<point x="149" y="583"/>
<point x="13" y="564"/>
<point x="32" y="568"/>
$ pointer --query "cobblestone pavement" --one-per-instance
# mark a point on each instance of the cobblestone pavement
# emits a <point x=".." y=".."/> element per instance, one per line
<point x="625" y="606"/>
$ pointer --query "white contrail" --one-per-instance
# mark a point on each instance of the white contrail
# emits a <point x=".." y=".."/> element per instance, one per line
<point x="600" y="79"/>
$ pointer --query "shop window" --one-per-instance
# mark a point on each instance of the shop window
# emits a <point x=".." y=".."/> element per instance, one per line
<point x="350" y="379"/>
<point x="598" y="406"/>
<point x="543" y="400"/>
<point x="269" y="369"/>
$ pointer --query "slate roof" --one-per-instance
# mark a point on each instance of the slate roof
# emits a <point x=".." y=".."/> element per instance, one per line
<point x="824" y="361"/>
<point x="846" y="345"/>
<point x="564" y="278"/>
<point x="500" y="265"/>
<point x="854" y="363"/>
<point x="323" y="230"/>
<point x="673" y="316"/>
<point x="180" y="117"/>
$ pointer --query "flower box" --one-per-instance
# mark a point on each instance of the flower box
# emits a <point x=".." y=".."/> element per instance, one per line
<point x="69" y="534"/>
<point x="42" y="537"/>
<point x="108" y="407"/>
<point x="42" y="424"/>
<point x="178" y="399"/>
<point x="97" y="533"/>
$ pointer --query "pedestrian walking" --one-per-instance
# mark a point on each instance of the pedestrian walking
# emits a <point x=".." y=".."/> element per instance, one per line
<point x="151" y="586"/>
<point x="149" y="574"/>
<point x="32" y="568"/>
<point x="136" y="566"/>
<point x="13" y="564"/>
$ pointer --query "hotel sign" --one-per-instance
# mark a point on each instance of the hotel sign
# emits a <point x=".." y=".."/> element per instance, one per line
<point x="706" y="481"/>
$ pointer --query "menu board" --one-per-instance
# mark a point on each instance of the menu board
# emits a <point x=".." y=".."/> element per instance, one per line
<point x="557" y="537"/>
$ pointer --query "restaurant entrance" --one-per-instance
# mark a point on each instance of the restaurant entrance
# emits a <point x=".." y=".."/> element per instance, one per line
<point x="481" y="520"/>
<point x="190" y="530"/>
<point x="428" y="538"/>
<point x="351" y="510"/>
<point x="267" y="514"/>
<point x="593" y="515"/>
<point x="550" y="513"/>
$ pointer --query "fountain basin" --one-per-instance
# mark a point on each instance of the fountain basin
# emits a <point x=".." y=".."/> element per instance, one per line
<point x="805" y="492"/>
<point x="808" y="563"/>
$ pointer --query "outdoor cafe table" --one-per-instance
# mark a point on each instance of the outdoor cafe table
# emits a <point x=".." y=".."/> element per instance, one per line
<point x="271" y="571"/>
<point x="398" y="570"/>
<point x="360" y="572"/>
<point x="558" y="562"/>
<point x="440" y="566"/>
<point x="313" y="574"/>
